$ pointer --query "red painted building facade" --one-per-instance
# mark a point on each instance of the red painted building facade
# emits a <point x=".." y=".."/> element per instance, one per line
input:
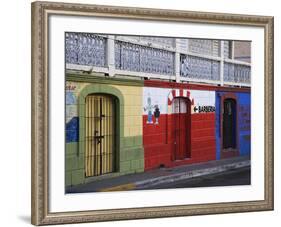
<point x="185" y="131"/>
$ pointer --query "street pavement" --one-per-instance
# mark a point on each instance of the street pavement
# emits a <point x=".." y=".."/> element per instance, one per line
<point x="212" y="173"/>
<point x="241" y="176"/>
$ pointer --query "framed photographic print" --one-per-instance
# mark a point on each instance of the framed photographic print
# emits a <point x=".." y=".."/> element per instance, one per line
<point x="149" y="113"/>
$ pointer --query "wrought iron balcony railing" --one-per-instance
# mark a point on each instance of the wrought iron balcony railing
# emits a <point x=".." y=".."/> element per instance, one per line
<point x="133" y="57"/>
<point x="199" y="68"/>
<point x="85" y="49"/>
<point x="205" y="61"/>
<point x="236" y="73"/>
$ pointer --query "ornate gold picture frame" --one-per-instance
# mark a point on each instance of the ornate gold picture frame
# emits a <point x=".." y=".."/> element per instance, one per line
<point x="41" y="68"/>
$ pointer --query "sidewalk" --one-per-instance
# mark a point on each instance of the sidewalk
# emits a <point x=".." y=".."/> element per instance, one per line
<point x="163" y="175"/>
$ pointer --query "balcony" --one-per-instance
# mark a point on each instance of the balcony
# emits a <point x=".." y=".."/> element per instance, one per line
<point x="159" y="58"/>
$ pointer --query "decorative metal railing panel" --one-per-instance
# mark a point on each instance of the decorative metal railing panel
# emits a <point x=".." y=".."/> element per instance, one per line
<point x="133" y="57"/>
<point x="204" y="47"/>
<point x="199" y="68"/>
<point x="236" y="73"/>
<point x="226" y="50"/>
<point x="85" y="49"/>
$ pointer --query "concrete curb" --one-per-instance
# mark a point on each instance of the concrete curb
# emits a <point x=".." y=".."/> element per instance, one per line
<point x="190" y="174"/>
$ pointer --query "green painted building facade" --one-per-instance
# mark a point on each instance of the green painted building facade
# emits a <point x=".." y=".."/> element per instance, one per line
<point x="128" y="146"/>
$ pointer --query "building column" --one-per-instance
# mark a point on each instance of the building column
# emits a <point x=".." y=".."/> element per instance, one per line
<point x="177" y="60"/>
<point x="221" y="61"/>
<point x="110" y="55"/>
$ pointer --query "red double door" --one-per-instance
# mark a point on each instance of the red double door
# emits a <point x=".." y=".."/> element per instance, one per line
<point x="181" y="119"/>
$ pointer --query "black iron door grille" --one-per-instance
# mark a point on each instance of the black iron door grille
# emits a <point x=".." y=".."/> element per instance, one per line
<point x="99" y="135"/>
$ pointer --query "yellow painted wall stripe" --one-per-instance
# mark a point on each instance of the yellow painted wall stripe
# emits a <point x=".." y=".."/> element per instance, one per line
<point x="122" y="187"/>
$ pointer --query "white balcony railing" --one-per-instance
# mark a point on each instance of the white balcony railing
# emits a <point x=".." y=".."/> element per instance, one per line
<point x="138" y="58"/>
<point x="199" y="68"/>
<point x="204" y="62"/>
<point x="85" y="49"/>
<point x="236" y="73"/>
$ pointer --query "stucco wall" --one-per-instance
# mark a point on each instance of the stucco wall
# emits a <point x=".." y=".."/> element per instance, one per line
<point x="130" y="149"/>
<point x="243" y="123"/>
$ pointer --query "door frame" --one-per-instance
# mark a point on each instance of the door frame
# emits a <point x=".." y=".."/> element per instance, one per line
<point x="228" y="153"/>
<point x="109" y="90"/>
<point x="188" y="115"/>
<point x="174" y="93"/>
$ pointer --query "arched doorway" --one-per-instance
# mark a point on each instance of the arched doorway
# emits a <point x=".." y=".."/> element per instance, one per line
<point x="181" y="120"/>
<point x="229" y="124"/>
<point x="100" y="133"/>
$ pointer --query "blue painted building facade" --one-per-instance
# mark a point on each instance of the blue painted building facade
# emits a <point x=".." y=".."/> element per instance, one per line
<point x="242" y="122"/>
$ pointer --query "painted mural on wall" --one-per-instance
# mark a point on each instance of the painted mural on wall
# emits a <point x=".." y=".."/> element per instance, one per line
<point x="149" y="108"/>
<point x="244" y="117"/>
<point x="244" y="121"/>
<point x="71" y="110"/>
<point x="156" y="114"/>
<point x="154" y="103"/>
<point x="158" y="98"/>
<point x="152" y="110"/>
